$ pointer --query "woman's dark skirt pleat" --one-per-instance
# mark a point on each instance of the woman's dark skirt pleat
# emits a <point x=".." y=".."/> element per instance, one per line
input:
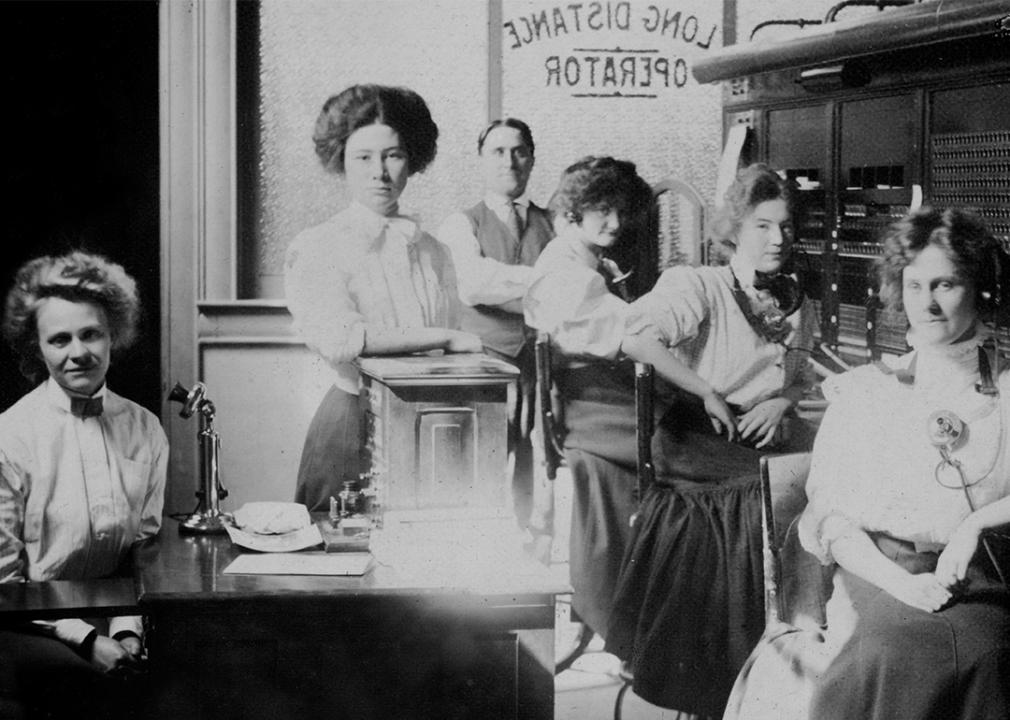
<point x="689" y="607"/>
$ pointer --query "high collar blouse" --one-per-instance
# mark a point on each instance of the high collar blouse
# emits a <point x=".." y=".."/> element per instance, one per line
<point x="874" y="467"/>
<point x="359" y="269"/>
<point x="76" y="493"/>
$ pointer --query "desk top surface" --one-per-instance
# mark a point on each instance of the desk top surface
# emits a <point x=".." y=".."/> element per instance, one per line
<point x="454" y="369"/>
<point x="174" y="568"/>
<point x="68" y="598"/>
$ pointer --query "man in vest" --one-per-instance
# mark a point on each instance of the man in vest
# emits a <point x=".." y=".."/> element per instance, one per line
<point x="494" y="245"/>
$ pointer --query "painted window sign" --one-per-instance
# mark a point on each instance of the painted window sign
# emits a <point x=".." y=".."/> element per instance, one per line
<point x="607" y="68"/>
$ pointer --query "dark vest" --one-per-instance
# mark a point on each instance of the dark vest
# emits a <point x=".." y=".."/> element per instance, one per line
<point x="500" y="330"/>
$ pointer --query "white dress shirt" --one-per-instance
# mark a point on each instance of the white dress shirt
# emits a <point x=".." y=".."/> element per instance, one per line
<point x="483" y="280"/>
<point x="358" y="269"/>
<point x="76" y="493"/>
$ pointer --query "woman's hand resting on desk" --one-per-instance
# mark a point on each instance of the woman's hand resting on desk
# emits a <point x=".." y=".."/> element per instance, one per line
<point x="463" y="342"/>
<point x="113" y="657"/>
<point x="762" y="421"/>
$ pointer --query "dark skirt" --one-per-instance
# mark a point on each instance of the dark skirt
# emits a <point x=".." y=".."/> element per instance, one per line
<point x="689" y="603"/>
<point x="332" y="451"/>
<point x="600" y="450"/>
<point x="40" y="677"/>
<point x="603" y="500"/>
<point x="907" y="664"/>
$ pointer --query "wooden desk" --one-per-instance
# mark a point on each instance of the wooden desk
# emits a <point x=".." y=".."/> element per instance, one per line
<point x="58" y="599"/>
<point x="376" y="646"/>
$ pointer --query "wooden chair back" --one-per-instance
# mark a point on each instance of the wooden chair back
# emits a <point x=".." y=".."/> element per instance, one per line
<point x="797" y="586"/>
<point x="550" y="407"/>
<point x="644" y="427"/>
<point x="551" y="412"/>
<point x="680" y="223"/>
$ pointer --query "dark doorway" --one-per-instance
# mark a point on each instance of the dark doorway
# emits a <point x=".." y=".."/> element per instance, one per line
<point x="80" y="169"/>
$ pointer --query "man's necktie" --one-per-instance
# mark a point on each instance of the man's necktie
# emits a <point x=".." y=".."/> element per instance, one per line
<point x="514" y="221"/>
<point x="86" y="407"/>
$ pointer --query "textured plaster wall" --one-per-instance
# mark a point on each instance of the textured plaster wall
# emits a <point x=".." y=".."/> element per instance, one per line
<point x="605" y="78"/>
<point x="311" y="49"/>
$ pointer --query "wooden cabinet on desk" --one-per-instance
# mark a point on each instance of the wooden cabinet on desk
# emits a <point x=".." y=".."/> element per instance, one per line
<point x="436" y="430"/>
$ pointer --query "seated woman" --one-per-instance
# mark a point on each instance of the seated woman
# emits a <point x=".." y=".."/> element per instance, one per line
<point x="688" y="607"/>
<point x="82" y="477"/>
<point x="368" y="281"/>
<point x="569" y="298"/>
<point x="909" y="471"/>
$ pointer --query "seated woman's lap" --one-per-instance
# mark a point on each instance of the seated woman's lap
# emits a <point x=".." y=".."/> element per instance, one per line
<point x="688" y="607"/>
<point x="689" y="603"/>
<point x="954" y="663"/>
<point x="48" y="679"/>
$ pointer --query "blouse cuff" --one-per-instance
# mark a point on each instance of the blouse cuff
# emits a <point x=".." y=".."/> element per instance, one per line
<point x="832" y="528"/>
<point x="128" y="624"/>
<point x="72" y="631"/>
<point x="352" y="346"/>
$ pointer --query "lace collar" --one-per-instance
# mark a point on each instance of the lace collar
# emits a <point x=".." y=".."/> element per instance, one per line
<point x="939" y="367"/>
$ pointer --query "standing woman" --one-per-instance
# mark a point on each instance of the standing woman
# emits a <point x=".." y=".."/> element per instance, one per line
<point x="82" y="477"/>
<point x="688" y="607"/>
<point x="368" y="281"/>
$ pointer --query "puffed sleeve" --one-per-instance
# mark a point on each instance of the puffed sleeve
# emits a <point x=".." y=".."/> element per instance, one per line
<point x="154" y="499"/>
<point x="674" y="309"/>
<point x="582" y="316"/>
<point x="150" y="514"/>
<point x="449" y="285"/>
<point x="12" y="559"/>
<point x="836" y="486"/>
<point x="316" y="287"/>
<point x="12" y="519"/>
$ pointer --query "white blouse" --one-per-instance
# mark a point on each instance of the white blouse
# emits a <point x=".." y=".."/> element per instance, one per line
<point x="874" y="467"/>
<point x="569" y="299"/>
<point x="76" y="493"/>
<point x="360" y="268"/>
<point x="694" y="312"/>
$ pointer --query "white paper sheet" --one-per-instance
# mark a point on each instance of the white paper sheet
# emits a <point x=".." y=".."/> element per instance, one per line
<point x="300" y="564"/>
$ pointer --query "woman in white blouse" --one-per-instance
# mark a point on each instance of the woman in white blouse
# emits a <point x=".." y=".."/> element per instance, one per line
<point x="688" y="605"/>
<point x="910" y="474"/>
<point x="82" y="477"/>
<point x="572" y="297"/>
<point x="368" y="281"/>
